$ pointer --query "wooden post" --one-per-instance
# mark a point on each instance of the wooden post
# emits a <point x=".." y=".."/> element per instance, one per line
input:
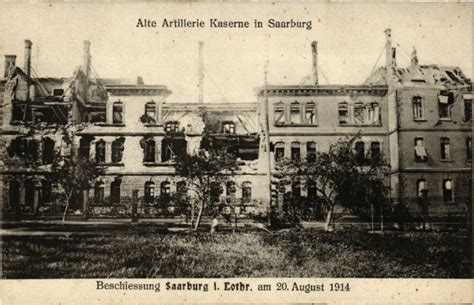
<point x="134" y="205"/>
<point x="85" y="203"/>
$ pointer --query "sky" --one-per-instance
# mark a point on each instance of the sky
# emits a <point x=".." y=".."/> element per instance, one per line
<point x="350" y="40"/>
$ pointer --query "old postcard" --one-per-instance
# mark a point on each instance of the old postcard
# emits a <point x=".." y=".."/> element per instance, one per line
<point x="236" y="153"/>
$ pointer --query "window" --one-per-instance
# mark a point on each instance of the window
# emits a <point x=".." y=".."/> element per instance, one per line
<point x="228" y="128"/>
<point x="360" y="152"/>
<point x="295" y="151"/>
<point x="149" y="192"/>
<point x="181" y="189"/>
<point x="99" y="188"/>
<point x="445" y="153"/>
<point x="374" y="113"/>
<point x="279" y="151"/>
<point x="469" y="149"/>
<point x="421" y="188"/>
<point x="311" y="114"/>
<point x="117" y="113"/>
<point x="295" y="115"/>
<point x="467" y="110"/>
<point x="231" y="189"/>
<point x="343" y="113"/>
<point x="417" y="102"/>
<point x="14" y="193"/>
<point x="58" y="92"/>
<point x="448" y="191"/>
<point x="216" y="190"/>
<point x="358" y="113"/>
<point x="312" y="192"/>
<point x="48" y="151"/>
<point x="84" y="147"/>
<point x="246" y="191"/>
<point x="445" y="104"/>
<point x="420" y="151"/>
<point x="100" y="151"/>
<point x="150" y="112"/>
<point x="279" y="113"/>
<point x="172" y="127"/>
<point x="149" y="151"/>
<point x="296" y="188"/>
<point x="375" y="151"/>
<point x="165" y="189"/>
<point x="172" y="147"/>
<point x="311" y="152"/>
<point x="117" y="150"/>
<point x="115" y="191"/>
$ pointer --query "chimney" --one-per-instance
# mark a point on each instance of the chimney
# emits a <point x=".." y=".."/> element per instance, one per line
<point x="27" y="66"/>
<point x="388" y="49"/>
<point x="87" y="58"/>
<point x="314" y="49"/>
<point x="10" y="65"/>
<point x="201" y="73"/>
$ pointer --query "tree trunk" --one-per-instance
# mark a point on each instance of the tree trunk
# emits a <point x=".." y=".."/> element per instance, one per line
<point x="198" y="220"/>
<point x="327" y="225"/>
<point x="68" y="199"/>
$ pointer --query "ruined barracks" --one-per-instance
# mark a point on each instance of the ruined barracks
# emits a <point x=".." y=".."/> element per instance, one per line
<point x="418" y="118"/>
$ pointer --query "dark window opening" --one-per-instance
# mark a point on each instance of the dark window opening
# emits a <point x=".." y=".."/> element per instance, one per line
<point x="22" y="113"/>
<point x="296" y="189"/>
<point x="215" y="190"/>
<point x="117" y="113"/>
<point x="467" y="110"/>
<point x="469" y="149"/>
<point x="279" y="151"/>
<point x="149" y="192"/>
<point x="85" y="147"/>
<point x="279" y="113"/>
<point x="58" y="92"/>
<point x="360" y="152"/>
<point x="115" y="191"/>
<point x="343" y="113"/>
<point x="445" y="149"/>
<point x="46" y="192"/>
<point x="29" y="193"/>
<point x="375" y="151"/>
<point x="311" y="113"/>
<point x="417" y="107"/>
<point x="312" y="192"/>
<point x="231" y="189"/>
<point x="295" y="113"/>
<point x="117" y="150"/>
<point x="246" y="191"/>
<point x="149" y="151"/>
<point x="48" y="151"/>
<point x="100" y="151"/>
<point x="448" y="191"/>
<point x="228" y="128"/>
<point x="171" y="147"/>
<point x="14" y="193"/>
<point x="295" y="151"/>
<point x="311" y="152"/>
<point x="99" y="189"/>
<point x="445" y="104"/>
<point x="165" y="191"/>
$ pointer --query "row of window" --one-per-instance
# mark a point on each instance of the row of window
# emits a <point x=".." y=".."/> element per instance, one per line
<point x="421" y="154"/>
<point x="447" y="190"/>
<point x="36" y="150"/>
<point x="165" y="191"/>
<point x="445" y="105"/>
<point x="295" y="151"/>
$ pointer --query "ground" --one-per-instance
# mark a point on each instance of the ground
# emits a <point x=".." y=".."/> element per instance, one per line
<point x="137" y="251"/>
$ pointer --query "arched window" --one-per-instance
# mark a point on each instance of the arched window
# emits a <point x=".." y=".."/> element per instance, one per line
<point x="100" y="151"/>
<point x="29" y="193"/>
<point x="358" y="113"/>
<point x="311" y="114"/>
<point x="360" y="152"/>
<point x="150" y="112"/>
<point x="296" y="188"/>
<point x="312" y="192"/>
<point x="448" y="191"/>
<point x="46" y="192"/>
<point x="149" y="151"/>
<point x="375" y="151"/>
<point x="165" y="189"/>
<point x="295" y="151"/>
<point x="48" y="151"/>
<point x="117" y="150"/>
<point x="172" y="127"/>
<point x="84" y="147"/>
<point x="117" y="113"/>
<point x="311" y="152"/>
<point x="374" y="113"/>
<point x="343" y="113"/>
<point x="115" y="191"/>
<point x="279" y="151"/>
<point x="246" y="191"/>
<point x="149" y="192"/>
<point x="420" y="187"/>
<point x="417" y="104"/>
<point x="279" y="113"/>
<point x="295" y="113"/>
<point x="231" y="190"/>
<point x="228" y="128"/>
<point x="99" y="189"/>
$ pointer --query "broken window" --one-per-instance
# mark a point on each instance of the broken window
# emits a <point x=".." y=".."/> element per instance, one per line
<point x="231" y="189"/>
<point x="358" y="113"/>
<point x="295" y="113"/>
<point x="246" y="191"/>
<point x="374" y="113"/>
<point x="343" y="113"/>
<point x="279" y="113"/>
<point x="228" y="128"/>
<point x="445" y="105"/>
<point x="215" y="191"/>
<point x="448" y="191"/>
<point x="420" y="151"/>
<point x="14" y="193"/>
<point x="445" y="149"/>
<point x="295" y="151"/>
<point x="467" y="110"/>
<point x="150" y="112"/>
<point x="17" y="147"/>
<point x="360" y="152"/>
<point x="469" y="149"/>
<point x="22" y="113"/>
<point x="58" y="92"/>
<point x="99" y="189"/>
<point x="117" y="150"/>
<point x="117" y="113"/>
<point x="279" y="151"/>
<point x="85" y="146"/>
<point x="181" y="189"/>
<point x="417" y="103"/>
<point x="149" y="192"/>
<point x="149" y="150"/>
<point x="100" y="151"/>
<point x="171" y="147"/>
<point x="165" y="190"/>
<point x="420" y="187"/>
<point x="375" y="151"/>
<point x="311" y="113"/>
<point x="311" y="152"/>
<point x="48" y="151"/>
<point x="115" y="191"/>
<point x="172" y="127"/>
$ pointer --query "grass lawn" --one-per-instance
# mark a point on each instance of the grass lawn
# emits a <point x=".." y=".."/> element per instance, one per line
<point x="140" y="252"/>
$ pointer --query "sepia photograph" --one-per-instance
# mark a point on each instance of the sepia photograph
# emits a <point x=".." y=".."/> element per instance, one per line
<point x="199" y="141"/>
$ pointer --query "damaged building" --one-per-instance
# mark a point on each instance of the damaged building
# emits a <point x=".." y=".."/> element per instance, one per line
<point x="418" y="118"/>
